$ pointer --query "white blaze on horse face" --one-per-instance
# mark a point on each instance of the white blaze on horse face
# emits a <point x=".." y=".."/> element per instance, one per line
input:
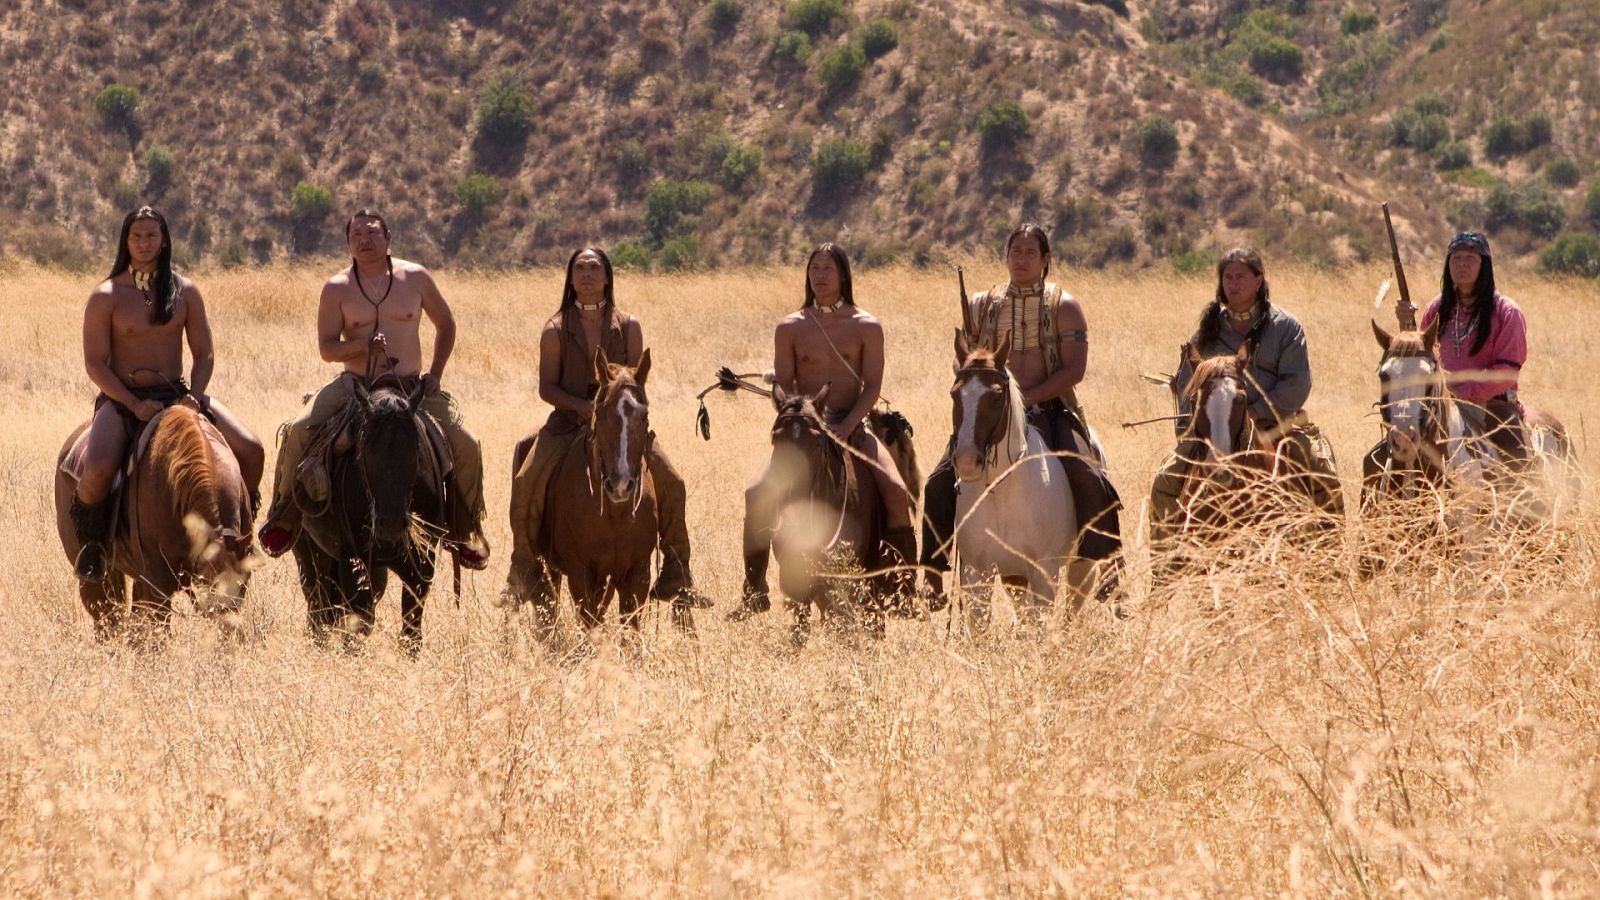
<point x="1407" y="380"/>
<point x="626" y="407"/>
<point x="967" y="459"/>
<point x="1219" y="414"/>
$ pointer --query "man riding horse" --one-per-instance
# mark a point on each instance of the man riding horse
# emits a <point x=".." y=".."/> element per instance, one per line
<point x="829" y="343"/>
<point x="1048" y="357"/>
<point x="1241" y="315"/>
<point x="134" y="329"/>
<point x="368" y="320"/>
<point x="587" y="321"/>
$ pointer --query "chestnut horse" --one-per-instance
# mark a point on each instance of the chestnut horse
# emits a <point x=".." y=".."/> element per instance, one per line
<point x="1014" y="516"/>
<point x="385" y="512"/>
<point x="600" y="522"/>
<point x="1430" y="445"/>
<point x="185" y="523"/>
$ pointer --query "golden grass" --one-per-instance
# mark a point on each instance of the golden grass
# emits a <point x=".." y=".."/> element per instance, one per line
<point x="1270" y="727"/>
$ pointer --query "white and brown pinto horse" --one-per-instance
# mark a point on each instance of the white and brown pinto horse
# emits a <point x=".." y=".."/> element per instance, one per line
<point x="1430" y="445"/>
<point x="1014" y="515"/>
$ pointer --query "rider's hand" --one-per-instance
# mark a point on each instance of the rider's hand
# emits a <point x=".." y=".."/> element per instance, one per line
<point x="430" y="384"/>
<point x="147" y="409"/>
<point x="377" y="342"/>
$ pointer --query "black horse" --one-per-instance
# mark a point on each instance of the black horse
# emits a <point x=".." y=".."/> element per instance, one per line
<point x="386" y="512"/>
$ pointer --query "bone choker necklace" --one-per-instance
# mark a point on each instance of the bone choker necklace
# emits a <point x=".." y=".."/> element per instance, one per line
<point x="828" y="310"/>
<point x="591" y="307"/>
<point x="142" y="282"/>
<point x="1245" y="316"/>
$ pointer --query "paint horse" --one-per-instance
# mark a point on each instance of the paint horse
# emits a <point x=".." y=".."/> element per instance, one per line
<point x="184" y="523"/>
<point x="1014" y="517"/>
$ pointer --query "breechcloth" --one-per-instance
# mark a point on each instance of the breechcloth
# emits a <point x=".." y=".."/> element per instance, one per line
<point x="165" y="394"/>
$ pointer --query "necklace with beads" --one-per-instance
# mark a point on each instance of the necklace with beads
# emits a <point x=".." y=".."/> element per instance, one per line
<point x="1241" y="317"/>
<point x="590" y="307"/>
<point x="142" y="282"/>
<point x="828" y="310"/>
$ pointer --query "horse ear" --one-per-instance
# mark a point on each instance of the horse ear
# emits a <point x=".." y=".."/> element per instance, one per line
<point x="1002" y="351"/>
<point x="779" y="395"/>
<point x="602" y="365"/>
<point x="1191" y="353"/>
<point x="1431" y="336"/>
<point x="1246" y="347"/>
<point x="643" y="370"/>
<point x="1384" y="337"/>
<point x="820" y="400"/>
<point x="963" y="346"/>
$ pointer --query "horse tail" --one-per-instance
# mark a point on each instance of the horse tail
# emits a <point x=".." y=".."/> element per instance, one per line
<point x="895" y="433"/>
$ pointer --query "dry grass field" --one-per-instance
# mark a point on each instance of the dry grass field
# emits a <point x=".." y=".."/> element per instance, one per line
<point x="1273" y="727"/>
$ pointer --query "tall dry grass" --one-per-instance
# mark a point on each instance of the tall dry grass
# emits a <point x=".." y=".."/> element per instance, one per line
<point x="1271" y="726"/>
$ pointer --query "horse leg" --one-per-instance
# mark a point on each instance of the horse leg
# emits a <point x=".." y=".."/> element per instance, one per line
<point x="417" y="580"/>
<point x="104" y="600"/>
<point x="975" y="597"/>
<point x="150" y="614"/>
<point x="587" y="597"/>
<point x="319" y="582"/>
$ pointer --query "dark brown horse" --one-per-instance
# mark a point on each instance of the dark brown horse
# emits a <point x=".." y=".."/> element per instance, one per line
<point x="828" y="520"/>
<point x="599" y="528"/>
<point x="185" y="523"/>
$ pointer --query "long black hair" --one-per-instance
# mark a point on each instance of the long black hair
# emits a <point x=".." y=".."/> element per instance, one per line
<point x="569" y="294"/>
<point x="1210" y="330"/>
<point x="165" y="287"/>
<point x="1483" y="298"/>
<point x="846" y="288"/>
<point x="1038" y="234"/>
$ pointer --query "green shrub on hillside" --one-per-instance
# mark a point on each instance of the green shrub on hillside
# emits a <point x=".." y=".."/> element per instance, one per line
<point x="879" y="37"/>
<point x="681" y="251"/>
<point x="839" y="165"/>
<point x="159" y="164"/>
<point x="1452" y="155"/>
<point x="1573" y="253"/>
<point x="1194" y="262"/>
<point x="725" y="14"/>
<point x="1003" y="125"/>
<point x="814" y="17"/>
<point x="1420" y="132"/>
<point x="116" y="105"/>
<point x="740" y="165"/>
<point x="505" y="111"/>
<point x="1157" y="139"/>
<point x="1358" y="21"/>
<point x="1531" y="208"/>
<point x="630" y="255"/>
<point x="1591" y="203"/>
<point x="1508" y="137"/>
<point x="1562" y="172"/>
<point x="794" y="46"/>
<point x="1277" y="59"/>
<point x="1247" y="90"/>
<point x="1120" y="7"/>
<point x="671" y="204"/>
<point x="478" y="192"/>
<point x="841" y="67"/>
<point x="309" y="203"/>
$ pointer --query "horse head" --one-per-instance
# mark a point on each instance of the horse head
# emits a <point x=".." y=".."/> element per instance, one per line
<point x="1220" y="421"/>
<point x="1411" y="391"/>
<point x="389" y="458"/>
<point x="986" y="407"/>
<point x="803" y="446"/>
<point x="620" y="427"/>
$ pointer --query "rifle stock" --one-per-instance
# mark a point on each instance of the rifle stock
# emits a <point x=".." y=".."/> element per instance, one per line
<point x="1407" y="312"/>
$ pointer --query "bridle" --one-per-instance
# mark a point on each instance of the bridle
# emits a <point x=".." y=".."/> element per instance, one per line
<point x="835" y="470"/>
<point x="596" y="464"/>
<point x="988" y="444"/>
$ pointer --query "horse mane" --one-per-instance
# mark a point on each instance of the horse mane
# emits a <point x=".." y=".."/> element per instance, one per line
<point x="1207" y="369"/>
<point x="1407" y="343"/>
<point x="190" y="463"/>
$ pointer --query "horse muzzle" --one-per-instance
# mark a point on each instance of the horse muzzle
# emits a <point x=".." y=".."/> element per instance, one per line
<point x="1405" y="445"/>
<point x="968" y="465"/>
<point x="620" y="490"/>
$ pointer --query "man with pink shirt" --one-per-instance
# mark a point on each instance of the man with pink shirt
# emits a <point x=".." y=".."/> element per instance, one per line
<point x="1483" y="332"/>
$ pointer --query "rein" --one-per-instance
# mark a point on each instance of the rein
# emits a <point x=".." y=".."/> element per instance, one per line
<point x="594" y="463"/>
<point x="989" y="446"/>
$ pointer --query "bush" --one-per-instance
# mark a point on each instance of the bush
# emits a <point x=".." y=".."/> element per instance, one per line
<point x="505" y="112"/>
<point x="671" y="204"/>
<point x="1003" y="125"/>
<point x="1247" y="90"/>
<point x="1157" y="139"/>
<point x="1562" y="172"/>
<point x="370" y="77"/>
<point x="1120" y="7"/>
<point x="1452" y="155"/>
<point x="159" y="163"/>
<point x="1591" y="203"/>
<point x="1531" y="208"/>
<point x="1572" y="254"/>
<point x="839" y="165"/>
<point x="794" y="46"/>
<point x="1423" y="132"/>
<point x="631" y="255"/>
<point x="1193" y="262"/>
<point x="1506" y="137"/>
<point x="309" y="203"/>
<point x="1537" y="129"/>
<point x="742" y="162"/>
<point x="679" y="252"/>
<point x="1277" y="59"/>
<point x="1358" y="21"/>
<point x="631" y="158"/>
<point x="879" y="37"/>
<point x="725" y="14"/>
<point x="116" y="105"/>
<point x="478" y="192"/>
<point x="841" y="68"/>
<point x="814" y="17"/>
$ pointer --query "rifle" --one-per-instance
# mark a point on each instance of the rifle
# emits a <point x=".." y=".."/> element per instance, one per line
<point x="1407" y="313"/>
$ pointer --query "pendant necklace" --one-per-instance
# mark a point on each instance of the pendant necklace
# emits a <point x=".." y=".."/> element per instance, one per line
<point x="141" y="283"/>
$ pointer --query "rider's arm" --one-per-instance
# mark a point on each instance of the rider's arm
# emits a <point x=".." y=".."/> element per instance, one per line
<point x="444" y="322"/>
<point x="635" y="338"/>
<point x="1293" y="387"/>
<point x="330" y="328"/>
<point x="871" y="375"/>
<point x="1180" y="381"/>
<point x="197" y="330"/>
<point x="1072" y="330"/>
<point x="97" y="347"/>
<point x="550" y="390"/>
<point x="783" y="357"/>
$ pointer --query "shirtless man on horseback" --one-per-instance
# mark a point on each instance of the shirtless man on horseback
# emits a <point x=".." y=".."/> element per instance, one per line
<point x="368" y="321"/>
<point x="829" y="342"/>
<point x="587" y="321"/>
<point x="134" y="329"/>
<point x="1049" y="355"/>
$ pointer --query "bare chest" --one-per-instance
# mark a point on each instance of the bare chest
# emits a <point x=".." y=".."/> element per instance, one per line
<point x="828" y="342"/>
<point x="388" y="307"/>
<point x="131" y="325"/>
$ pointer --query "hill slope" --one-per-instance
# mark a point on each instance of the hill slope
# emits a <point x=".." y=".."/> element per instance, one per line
<point x="690" y="133"/>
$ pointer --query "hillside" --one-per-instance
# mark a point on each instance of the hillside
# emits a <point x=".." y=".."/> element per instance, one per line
<point x="690" y="133"/>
